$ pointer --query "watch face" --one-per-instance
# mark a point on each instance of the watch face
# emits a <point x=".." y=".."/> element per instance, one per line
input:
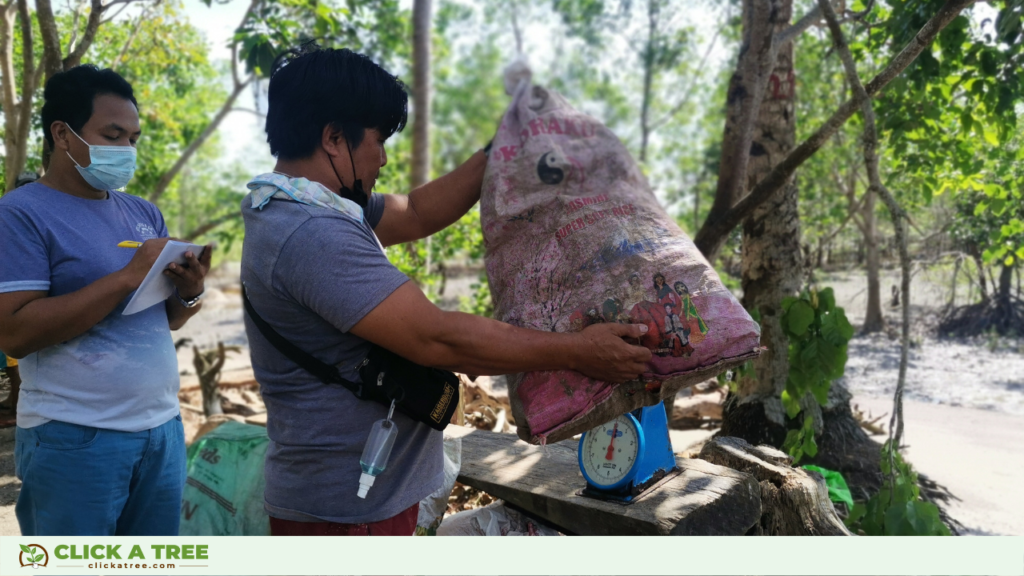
<point x="609" y="452"/>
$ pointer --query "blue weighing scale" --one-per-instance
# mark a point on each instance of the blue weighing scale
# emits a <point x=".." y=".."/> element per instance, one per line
<point x="627" y="457"/>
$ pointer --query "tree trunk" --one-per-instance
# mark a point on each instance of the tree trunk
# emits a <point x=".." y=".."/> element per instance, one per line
<point x="421" y="10"/>
<point x="873" y="321"/>
<point x="1005" y="285"/>
<point x="421" y="92"/>
<point x="771" y="260"/>
<point x="9" y="80"/>
<point x="982" y="280"/>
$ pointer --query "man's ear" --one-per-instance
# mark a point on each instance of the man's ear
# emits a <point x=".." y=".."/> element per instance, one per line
<point x="332" y="140"/>
<point x="60" y="133"/>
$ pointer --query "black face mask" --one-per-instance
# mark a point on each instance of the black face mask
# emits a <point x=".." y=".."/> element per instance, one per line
<point x="358" y="195"/>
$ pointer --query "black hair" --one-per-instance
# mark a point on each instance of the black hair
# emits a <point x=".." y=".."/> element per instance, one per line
<point x="312" y="87"/>
<point x="68" y="96"/>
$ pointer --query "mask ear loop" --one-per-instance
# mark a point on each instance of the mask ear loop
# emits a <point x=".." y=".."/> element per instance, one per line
<point x="357" y="195"/>
<point x="68" y="151"/>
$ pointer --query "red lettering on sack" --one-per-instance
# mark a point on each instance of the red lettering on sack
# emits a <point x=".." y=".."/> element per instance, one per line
<point x="508" y="152"/>
<point x="553" y="127"/>
<point x="537" y="127"/>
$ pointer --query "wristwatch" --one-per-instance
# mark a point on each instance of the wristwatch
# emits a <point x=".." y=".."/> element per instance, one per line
<point x="192" y="303"/>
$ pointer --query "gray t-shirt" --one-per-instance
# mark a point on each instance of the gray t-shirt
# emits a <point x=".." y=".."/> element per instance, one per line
<point x="312" y="273"/>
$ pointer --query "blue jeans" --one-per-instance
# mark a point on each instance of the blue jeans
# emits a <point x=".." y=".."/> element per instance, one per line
<point x="84" y="481"/>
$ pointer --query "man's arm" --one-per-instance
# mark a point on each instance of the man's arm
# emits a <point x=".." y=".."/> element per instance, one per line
<point x="31" y="321"/>
<point x="477" y="345"/>
<point x="433" y="206"/>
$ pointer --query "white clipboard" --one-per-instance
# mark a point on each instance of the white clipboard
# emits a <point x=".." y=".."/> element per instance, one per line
<point x="156" y="287"/>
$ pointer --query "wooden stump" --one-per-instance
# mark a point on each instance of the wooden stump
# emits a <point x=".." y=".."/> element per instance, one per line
<point x="703" y="499"/>
<point x="794" y="502"/>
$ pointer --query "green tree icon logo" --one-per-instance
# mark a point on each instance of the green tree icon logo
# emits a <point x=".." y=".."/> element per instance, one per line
<point x="33" y="555"/>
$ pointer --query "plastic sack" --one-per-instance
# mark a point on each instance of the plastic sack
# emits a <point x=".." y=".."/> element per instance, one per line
<point x="495" y="519"/>
<point x="574" y="236"/>
<point x="224" y="490"/>
<point x="433" y="507"/>
<point x="838" y="490"/>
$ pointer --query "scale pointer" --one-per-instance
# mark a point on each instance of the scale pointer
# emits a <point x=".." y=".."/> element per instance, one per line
<point x="611" y="445"/>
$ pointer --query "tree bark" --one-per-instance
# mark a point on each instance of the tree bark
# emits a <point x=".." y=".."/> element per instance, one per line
<point x="421" y="92"/>
<point x="743" y="100"/>
<point x="873" y="320"/>
<point x="771" y="259"/>
<point x="794" y="502"/>
<point x="9" y="81"/>
<point x="723" y="219"/>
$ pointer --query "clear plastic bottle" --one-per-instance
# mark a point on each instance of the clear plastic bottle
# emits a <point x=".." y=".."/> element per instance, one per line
<point x="376" y="451"/>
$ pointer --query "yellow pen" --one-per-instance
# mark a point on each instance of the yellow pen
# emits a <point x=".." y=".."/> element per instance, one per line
<point x="129" y="244"/>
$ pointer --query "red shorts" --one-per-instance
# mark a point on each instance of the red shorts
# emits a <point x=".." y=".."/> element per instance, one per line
<point x="403" y="524"/>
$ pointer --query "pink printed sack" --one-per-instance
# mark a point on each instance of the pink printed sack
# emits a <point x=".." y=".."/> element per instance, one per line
<point x="574" y="235"/>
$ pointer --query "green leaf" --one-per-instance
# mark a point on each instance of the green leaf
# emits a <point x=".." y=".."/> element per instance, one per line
<point x="858" y="512"/>
<point x="791" y="404"/>
<point x="26" y="549"/>
<point x="810" y="446"/>
<point x="799" y="317"/>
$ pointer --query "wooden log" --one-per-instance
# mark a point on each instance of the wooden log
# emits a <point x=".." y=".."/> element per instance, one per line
<point x="794" y="502"/>
<point x="704" y="499"/>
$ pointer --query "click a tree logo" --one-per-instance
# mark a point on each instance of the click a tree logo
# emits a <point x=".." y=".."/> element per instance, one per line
<point x="33" y="555"/>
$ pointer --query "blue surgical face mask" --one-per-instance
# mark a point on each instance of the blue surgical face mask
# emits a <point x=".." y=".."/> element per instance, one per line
<point x="110" y="167"/>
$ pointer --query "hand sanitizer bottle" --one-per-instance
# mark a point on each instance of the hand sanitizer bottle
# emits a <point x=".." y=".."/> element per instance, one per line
<point x="376" y="452"/>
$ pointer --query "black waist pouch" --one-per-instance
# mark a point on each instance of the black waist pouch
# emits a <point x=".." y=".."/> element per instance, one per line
<point x="428" y="395"/>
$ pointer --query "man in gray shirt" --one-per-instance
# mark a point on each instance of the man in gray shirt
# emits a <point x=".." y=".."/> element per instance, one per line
<point x="314" y="268"/>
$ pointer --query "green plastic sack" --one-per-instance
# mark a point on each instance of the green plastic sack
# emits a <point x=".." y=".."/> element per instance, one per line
<point x="224" y="490"/>
<point x="838" y="491"/>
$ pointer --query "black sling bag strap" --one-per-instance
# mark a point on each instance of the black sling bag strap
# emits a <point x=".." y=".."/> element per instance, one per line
<point x="425" y="394"/>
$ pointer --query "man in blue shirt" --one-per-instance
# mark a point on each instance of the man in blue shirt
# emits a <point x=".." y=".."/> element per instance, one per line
<point x="99" y="443"/>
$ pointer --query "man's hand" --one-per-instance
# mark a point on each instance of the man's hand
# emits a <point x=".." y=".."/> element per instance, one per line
<point x="188" y="278"/>
<point x="603" y="353"/>
<point x="135" y="271"/>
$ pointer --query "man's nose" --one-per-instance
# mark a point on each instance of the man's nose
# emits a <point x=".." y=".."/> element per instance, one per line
<point x="383" y="157"/>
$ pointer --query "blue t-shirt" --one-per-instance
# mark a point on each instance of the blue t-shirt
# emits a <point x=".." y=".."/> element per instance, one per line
<point x="121" y="374"/>
<point x="313" y="273"/>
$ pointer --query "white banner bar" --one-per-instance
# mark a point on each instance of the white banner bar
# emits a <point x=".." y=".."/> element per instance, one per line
<point x="293" y="556"/>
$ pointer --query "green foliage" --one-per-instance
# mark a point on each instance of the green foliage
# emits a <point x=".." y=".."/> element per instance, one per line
<point x="897" y="509"/>
<point x="838" y="490"/>
<point x="818" y="333"/>
<point x="480" y="303"/>
<point x="801" y="441"/>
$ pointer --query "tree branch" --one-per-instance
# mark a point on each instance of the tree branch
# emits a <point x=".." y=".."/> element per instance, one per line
<point x="812" y="17"/>
<point x="52" y="54"/>
<point x="95" y="17"/>
<point x="204" y="228"/>
<point x="688" y="91"/>
<point x="898" y="221"/>
<point x="134" y="33"/>
<point x="186" y="155"/>
<point x="717" y="227"/>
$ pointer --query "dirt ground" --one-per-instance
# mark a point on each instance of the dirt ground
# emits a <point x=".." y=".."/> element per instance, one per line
<point x="962" y="414"/>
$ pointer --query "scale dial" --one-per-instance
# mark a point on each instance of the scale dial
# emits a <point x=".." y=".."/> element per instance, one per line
<point x="610" y="453"/>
